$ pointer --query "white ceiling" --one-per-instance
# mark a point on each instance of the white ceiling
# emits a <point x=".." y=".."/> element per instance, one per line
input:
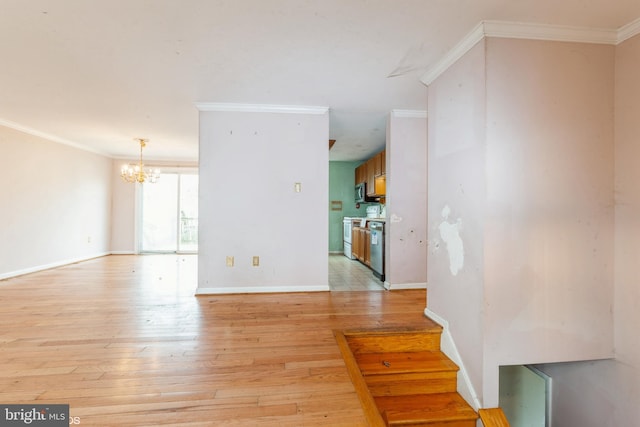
<point x="100" y="73"/>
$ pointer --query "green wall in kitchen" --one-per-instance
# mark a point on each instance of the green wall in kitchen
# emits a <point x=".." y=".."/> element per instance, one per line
<point x="342" y="188"/>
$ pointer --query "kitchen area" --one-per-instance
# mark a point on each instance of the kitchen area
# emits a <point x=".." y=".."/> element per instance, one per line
<point x="363" y="235"/>
<point x="364" y="240"/>
<point x="378" y="211"/>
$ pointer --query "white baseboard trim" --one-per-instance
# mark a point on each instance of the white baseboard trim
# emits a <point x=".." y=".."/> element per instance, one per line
<point x="395" y="286"/>
<point x="260" y="289"/>
<point x="448" y="346"/>
<point x="123" y="253"/>
<point x="56" y="264"/>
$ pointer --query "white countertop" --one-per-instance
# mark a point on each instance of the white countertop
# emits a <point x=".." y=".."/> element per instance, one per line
<point x="365" y="220"/>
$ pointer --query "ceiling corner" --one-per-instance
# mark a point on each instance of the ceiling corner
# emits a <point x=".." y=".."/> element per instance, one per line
<point x="628" y="31"/>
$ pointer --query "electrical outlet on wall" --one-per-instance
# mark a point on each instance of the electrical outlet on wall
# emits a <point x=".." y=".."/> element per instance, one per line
<point x="256" y="261"/>
<point x="229" y="261"/>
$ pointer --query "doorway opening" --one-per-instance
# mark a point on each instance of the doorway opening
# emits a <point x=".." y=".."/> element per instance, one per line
<point x="169" y="214"/>
<point x="525" y="396"/>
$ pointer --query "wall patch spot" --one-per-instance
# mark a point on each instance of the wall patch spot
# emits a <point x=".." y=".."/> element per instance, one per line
<point x="450" y="235"/>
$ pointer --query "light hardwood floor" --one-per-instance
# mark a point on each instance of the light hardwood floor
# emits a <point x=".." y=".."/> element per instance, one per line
<point x="124" y="341"/>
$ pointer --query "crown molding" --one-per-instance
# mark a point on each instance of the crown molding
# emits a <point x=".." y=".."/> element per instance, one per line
<point x="630" y="30"/>
<point x="52" y="138"/>
<point x="451" y="57"/>
<point x="523" y="30"/>
<point x="261" y="108"/>
<point x="412" y="114"/>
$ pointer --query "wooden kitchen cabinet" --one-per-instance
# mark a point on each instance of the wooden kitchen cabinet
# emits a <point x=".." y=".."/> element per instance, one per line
<point x="361" y="174"/>
<point x="361" y="245"/>
<point x="371" y="181"/>
<point x="360" y="242"/>
<point x="368" y="171"/>
<point x="381" y="185"/>
<point x="376" y="179"/>
<point x="356" y="244"/>
<point x="377" y="164"/>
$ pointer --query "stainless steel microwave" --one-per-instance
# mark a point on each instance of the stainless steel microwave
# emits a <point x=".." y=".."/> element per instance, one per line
<point x="361" y="192"/>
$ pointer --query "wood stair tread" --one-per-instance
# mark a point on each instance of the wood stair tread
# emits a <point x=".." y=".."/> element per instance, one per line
<point x="404" y="362"/>
<point x="431" y="327"/>
<point x="403" y="379"/>
<point x="394" y="341"/>
<point x="493" y="417"/>
<point x="425" y="409"/>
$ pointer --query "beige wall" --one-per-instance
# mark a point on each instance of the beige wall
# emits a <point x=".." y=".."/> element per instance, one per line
<point x="123" y="221"/>
<point x="521" y="204"/>
<point x="56" y="203"/>
<point x="72" y="205"/>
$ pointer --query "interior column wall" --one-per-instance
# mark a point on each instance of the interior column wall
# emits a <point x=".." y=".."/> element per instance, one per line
<point x="595" y="394"/>
<point x="249" y="166"/>
<point x="457" y="193"/>
<point x="627" y="154"/>
<point x="406" y="226"/>
<point x="520" y="212"/>
<point x="549" y="230"/>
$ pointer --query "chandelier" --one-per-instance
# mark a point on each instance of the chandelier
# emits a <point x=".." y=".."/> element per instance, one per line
<point x="136" y="172"/>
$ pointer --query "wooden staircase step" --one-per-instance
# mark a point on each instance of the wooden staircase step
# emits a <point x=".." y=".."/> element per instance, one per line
<point x="493" y="417"/>
<point x="394" y="341"/>
<point x="403" y="379"/>
<point x="402" y="362"/>
<point x="388" y="374"/>
<point x="412" y="383"/>
<point x="433" y="410"/>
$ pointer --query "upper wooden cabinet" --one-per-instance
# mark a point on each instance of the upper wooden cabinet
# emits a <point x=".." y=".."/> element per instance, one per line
<point x="373" y="172"/>
<point x="377" y="164"/>
<point x="380" y="185"/>
<point x="361" y="173"/>
<point x="371" y="182"/>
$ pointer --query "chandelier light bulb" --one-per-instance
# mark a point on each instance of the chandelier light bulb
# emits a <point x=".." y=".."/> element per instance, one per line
<point x="136" y="173"/>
